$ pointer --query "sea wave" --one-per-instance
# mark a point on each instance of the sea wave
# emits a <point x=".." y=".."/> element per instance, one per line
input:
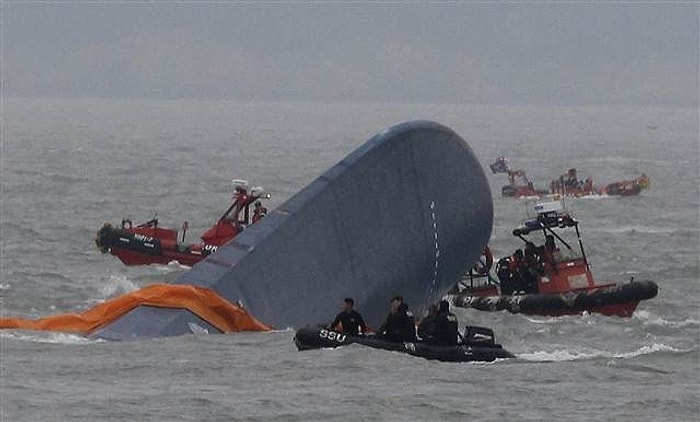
<point x="584" y="318"/>
<point x="21" y="231"/>
<point x="170" y="267"/>
<point x="650" y="349"/>
<point x="622" y="229"/>
<point x="557" y="356"/>
<point x="117" y="284"/>
<point x="48" y="337"/>
<point x="563" y="355"/>
<point x="648" y="318"/>
<point x="541" y="319"/>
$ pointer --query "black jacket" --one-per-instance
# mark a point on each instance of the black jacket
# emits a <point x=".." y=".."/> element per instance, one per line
<point x="400" y="326"/>
<point x="351" y="322"/>
<point x="446" y="329"/>
<point x="426" y="329"/>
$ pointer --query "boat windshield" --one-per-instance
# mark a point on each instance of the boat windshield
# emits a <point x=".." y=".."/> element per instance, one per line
<point x="565" y="254"/>
<point x="561" y="251"/>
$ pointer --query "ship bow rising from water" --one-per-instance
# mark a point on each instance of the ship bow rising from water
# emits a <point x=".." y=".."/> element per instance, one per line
<point x="406" y="213"/>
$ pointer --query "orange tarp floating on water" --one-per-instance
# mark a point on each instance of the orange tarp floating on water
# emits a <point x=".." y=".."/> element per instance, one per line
<point x="204" y="303"/>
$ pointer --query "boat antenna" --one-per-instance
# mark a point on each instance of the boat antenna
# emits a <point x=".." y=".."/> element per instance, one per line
<point x="528" y="204"/>
<point x="580" y="245"/>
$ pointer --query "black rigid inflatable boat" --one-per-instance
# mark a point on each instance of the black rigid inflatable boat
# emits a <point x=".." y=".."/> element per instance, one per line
<point x="478" y="345"/>
<point x="616" y="299"/>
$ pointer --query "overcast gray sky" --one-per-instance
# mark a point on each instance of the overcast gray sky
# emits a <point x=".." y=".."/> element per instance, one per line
<point x="583" y="53"/>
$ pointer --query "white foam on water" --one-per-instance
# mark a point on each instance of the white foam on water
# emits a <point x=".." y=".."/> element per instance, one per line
<point x="556" y="356"/>
<point x="584" y="318"/>
<point x="647" y="318"/>
<point x="647" y="350"/>
<point x="197" y="329"/>
<point x="563" y="355"/>
<point x="48" y="337"/>
<point x="171" y="266"/>
<point x="542" y="320"/>
<point x="117" y="284"/>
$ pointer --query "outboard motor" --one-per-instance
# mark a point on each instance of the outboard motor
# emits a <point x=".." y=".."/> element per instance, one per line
<point x="479" y="336"/>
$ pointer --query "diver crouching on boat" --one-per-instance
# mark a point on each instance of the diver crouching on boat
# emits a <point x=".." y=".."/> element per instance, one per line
<point x="426" y="328"/>
<point x="400" y="324"/>
<point x="518" y="274"/>
<point x="440" y="329"/>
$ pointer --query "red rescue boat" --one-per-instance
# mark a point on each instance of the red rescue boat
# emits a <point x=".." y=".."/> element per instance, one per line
<point x="626" y="187"/>
<point x="520" y="186"/>
<point x="551" y="279"/>
<point x="568" y="184"/>
<point x="148" y="243"/>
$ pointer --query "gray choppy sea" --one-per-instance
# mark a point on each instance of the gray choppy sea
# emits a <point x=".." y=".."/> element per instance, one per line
<point x="68" y="166"/>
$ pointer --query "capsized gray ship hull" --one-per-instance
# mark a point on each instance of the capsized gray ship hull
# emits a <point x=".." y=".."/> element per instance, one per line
<point x="406" y="213"/>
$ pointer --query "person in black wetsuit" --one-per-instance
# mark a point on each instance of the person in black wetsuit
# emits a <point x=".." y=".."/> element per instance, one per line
<point x="349" y="321"/>
<point x="400" y="325"/>
<point x="446" y="326"/>
<point x="426" y="328"/>
<point x="443" y="329"/>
